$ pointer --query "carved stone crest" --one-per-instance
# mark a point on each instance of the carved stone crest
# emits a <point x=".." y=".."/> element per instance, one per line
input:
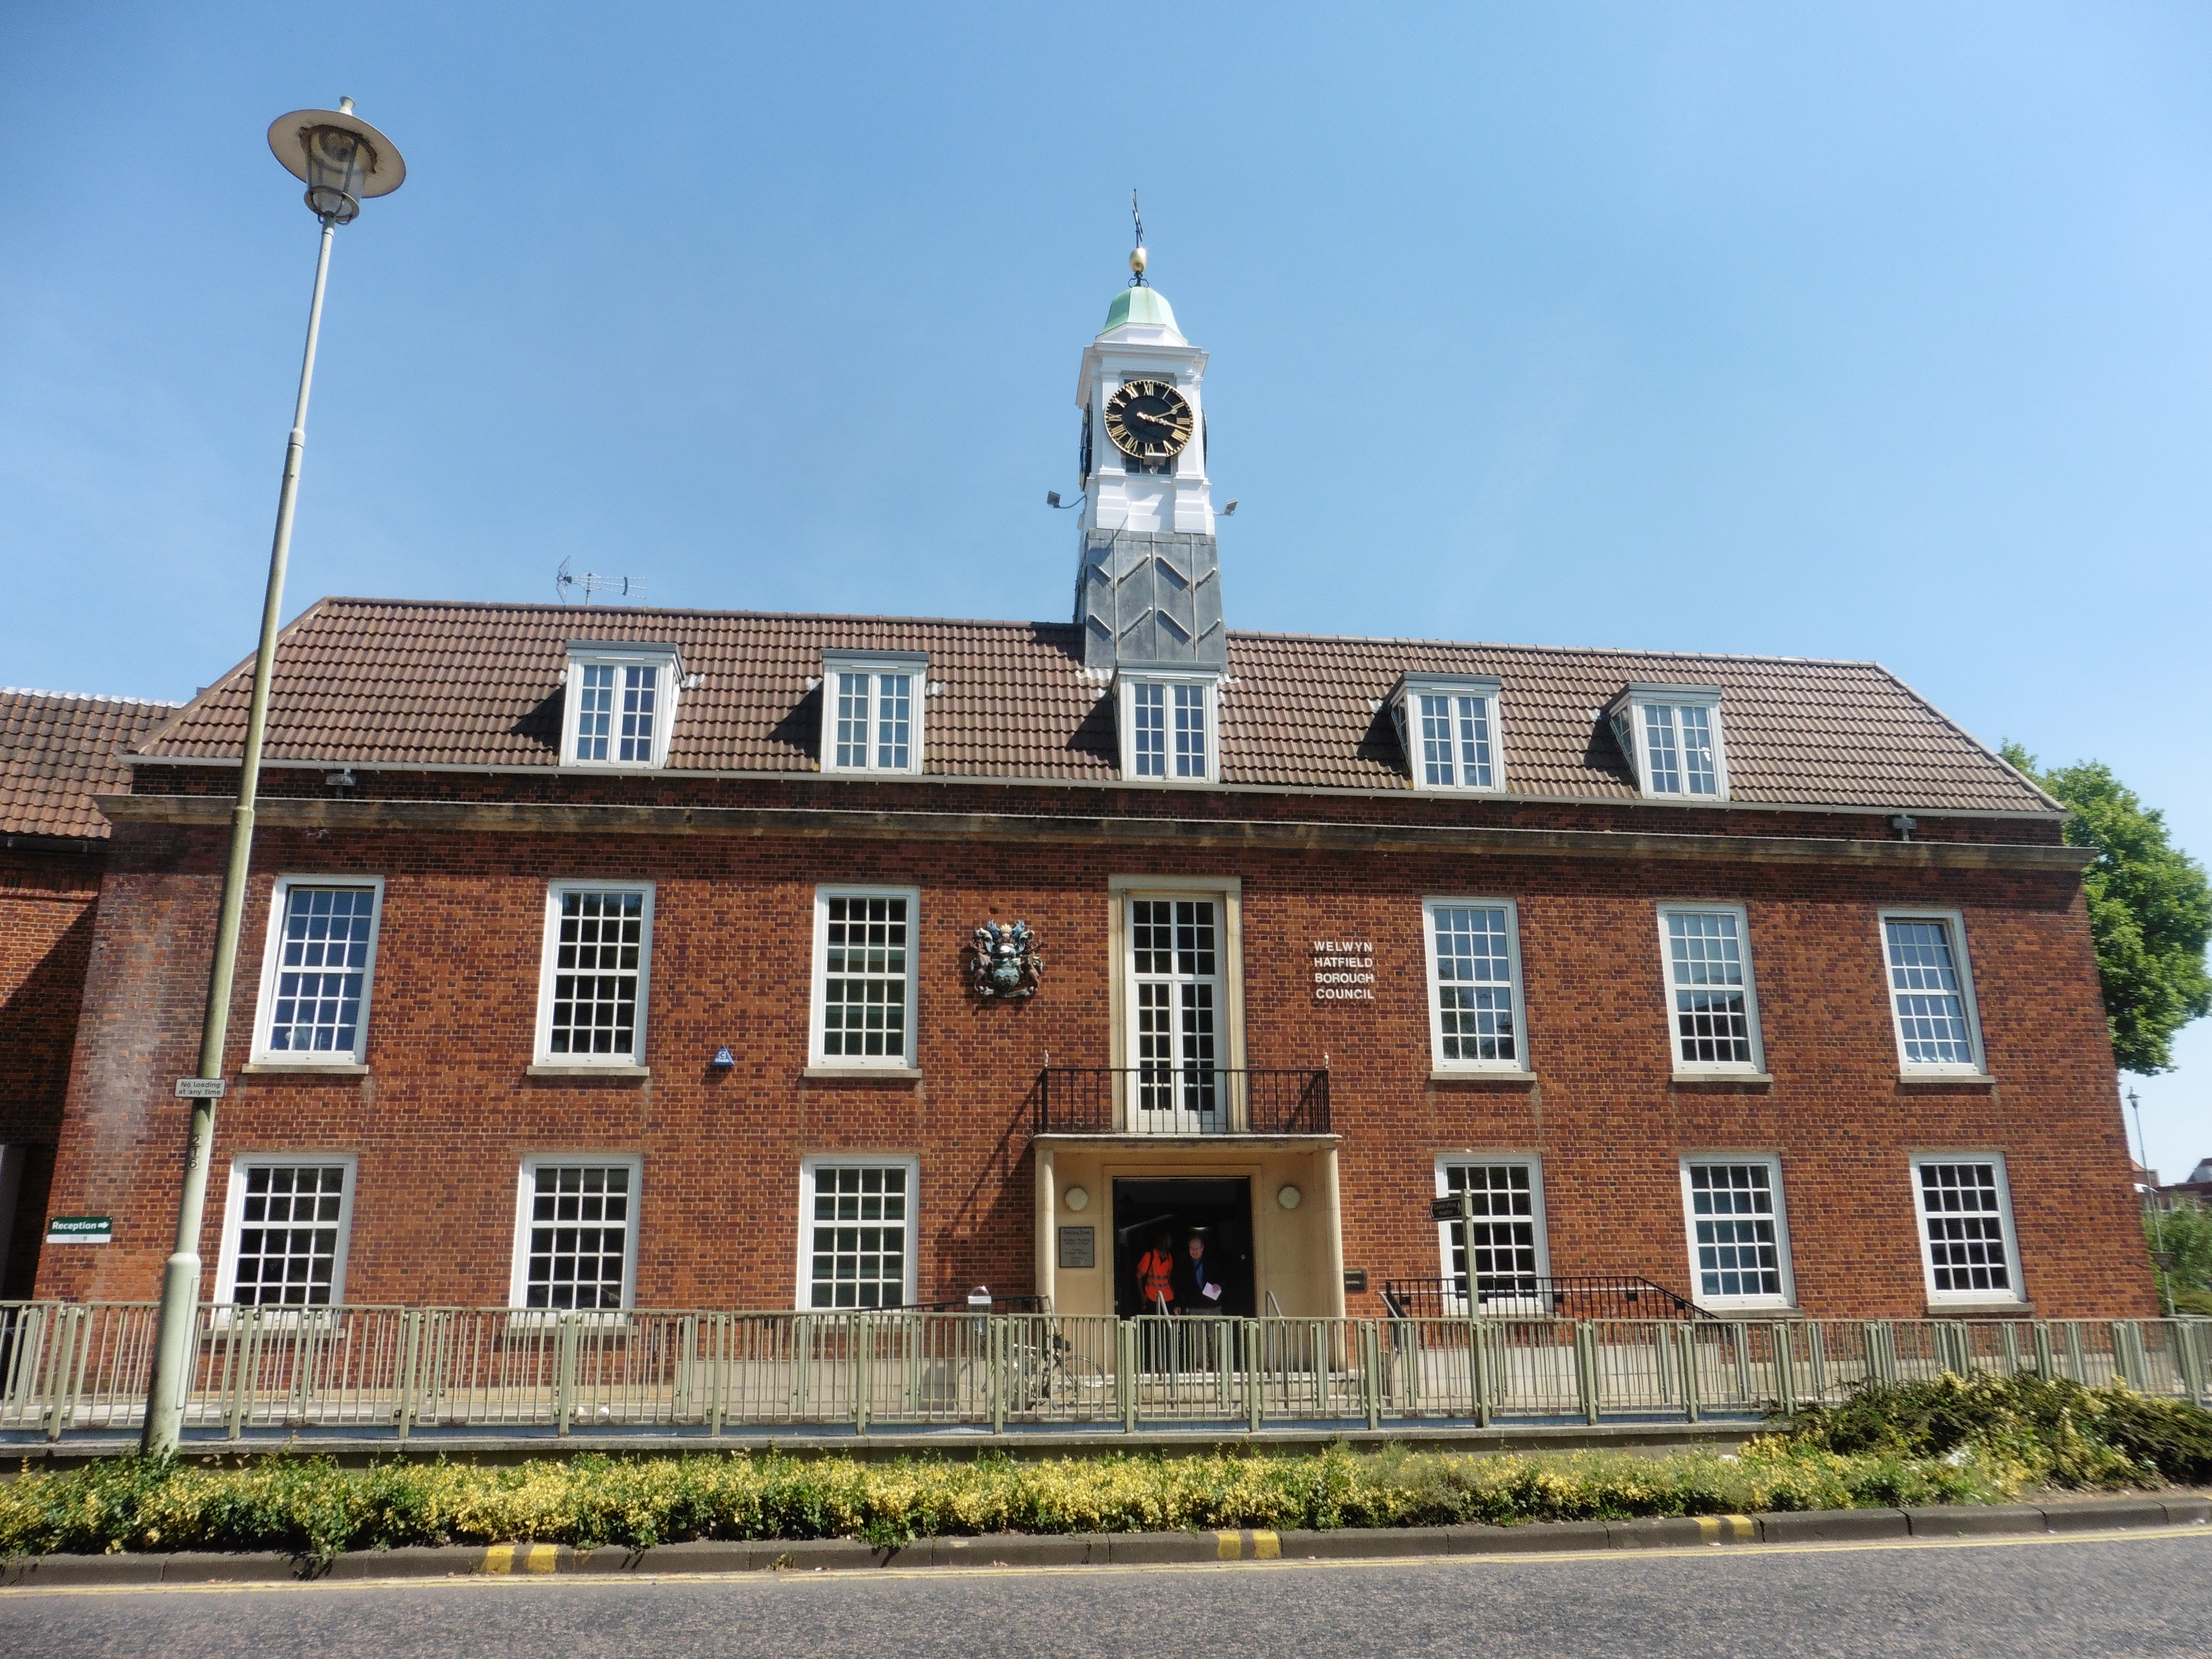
<point x="1004" y="961"/>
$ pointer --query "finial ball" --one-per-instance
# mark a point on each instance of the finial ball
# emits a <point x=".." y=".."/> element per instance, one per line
<point x="1137" y="260"/>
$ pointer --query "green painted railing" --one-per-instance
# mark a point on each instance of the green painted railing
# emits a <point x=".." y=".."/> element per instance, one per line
<point x="80" y="1369"/>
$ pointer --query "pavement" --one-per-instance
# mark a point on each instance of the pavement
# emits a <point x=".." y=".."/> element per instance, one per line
<point x="2085" y="1594"/>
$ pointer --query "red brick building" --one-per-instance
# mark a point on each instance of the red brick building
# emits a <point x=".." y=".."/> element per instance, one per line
<point x="1773" y="1017"/>
<point x="57" y="753"/>
<point x="629" y="957"/>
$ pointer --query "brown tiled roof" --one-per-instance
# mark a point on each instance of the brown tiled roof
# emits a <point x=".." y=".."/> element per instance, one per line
<point x="402" y="682"/>
<point x="57" y="751"/>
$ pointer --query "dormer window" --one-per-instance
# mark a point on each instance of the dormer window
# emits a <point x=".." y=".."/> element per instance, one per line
<point x="1448" y="729"/>
<point x="872" y="711"/>
<point x="1671" y="734"/>
<point x="621" y="704"/>
<point x="1169" y="724"/>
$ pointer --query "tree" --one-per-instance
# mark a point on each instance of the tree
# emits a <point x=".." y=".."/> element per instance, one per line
<point x="2185" y="1233"/>
<point x="2150" y="911"/>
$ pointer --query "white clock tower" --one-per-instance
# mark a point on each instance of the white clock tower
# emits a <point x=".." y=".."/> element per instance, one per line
<point x="1148" y="582"/>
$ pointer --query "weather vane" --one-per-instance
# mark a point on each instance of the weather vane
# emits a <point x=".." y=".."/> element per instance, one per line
<point x="1137" y="254"/>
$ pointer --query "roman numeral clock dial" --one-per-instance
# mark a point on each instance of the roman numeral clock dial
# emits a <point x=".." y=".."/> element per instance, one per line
<point x="1149" y="420"/>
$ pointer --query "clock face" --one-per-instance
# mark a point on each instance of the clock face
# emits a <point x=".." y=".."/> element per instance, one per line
<point x="1149" y="420"/>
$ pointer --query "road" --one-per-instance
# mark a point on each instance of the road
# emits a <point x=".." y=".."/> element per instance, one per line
<point x="2148" y="1594"/>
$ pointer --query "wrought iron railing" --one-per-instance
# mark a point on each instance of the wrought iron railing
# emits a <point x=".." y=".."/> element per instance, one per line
<point x="1538" y="1296"/>
<point x="1173" y="1099"/>
<point x="279" y="1375"/>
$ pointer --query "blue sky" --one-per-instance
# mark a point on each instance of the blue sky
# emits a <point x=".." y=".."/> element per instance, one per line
<point x="1864" y="331"/>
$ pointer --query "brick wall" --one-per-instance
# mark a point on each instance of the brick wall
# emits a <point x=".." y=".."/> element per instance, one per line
<point x="47" y="901"/>
<point x="448" y="1111"/>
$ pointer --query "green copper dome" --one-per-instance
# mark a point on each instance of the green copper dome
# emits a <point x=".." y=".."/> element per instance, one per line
<point x="1147" y="307"/>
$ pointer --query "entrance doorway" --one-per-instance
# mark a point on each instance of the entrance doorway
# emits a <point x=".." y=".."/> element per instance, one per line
<point x="1218" y="1210"/>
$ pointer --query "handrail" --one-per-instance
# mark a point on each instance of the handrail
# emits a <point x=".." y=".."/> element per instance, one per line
<point x="274" y="1375"/>
<point x="1559" y="1296"/>
<point x="1172" y="1098"/>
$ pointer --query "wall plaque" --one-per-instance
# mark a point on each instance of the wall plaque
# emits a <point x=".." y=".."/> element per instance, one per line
<point x="1079" y="1247"/>
<point x="1343" y="970"/>
<point x="1355" y="1281"/>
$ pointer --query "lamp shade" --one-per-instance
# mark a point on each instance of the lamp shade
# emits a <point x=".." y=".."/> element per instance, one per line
<point x="341" y="159"/>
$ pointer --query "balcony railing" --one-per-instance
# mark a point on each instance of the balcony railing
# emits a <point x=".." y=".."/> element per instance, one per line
<point x="1165" y="1099"/>
<point x="1531" y="1296"/>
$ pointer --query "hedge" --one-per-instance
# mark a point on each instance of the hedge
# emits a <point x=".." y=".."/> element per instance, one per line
<point x="1951" y="1441"/>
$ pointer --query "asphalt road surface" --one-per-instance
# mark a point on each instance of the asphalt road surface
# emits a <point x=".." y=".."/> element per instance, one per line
<point x="2147" y="1594"/>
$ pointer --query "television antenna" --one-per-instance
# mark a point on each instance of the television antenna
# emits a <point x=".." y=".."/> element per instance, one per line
<point x="626" y="589"/>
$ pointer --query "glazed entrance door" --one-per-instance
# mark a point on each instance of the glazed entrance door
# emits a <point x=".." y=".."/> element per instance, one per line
<point x="1176" y="993"/>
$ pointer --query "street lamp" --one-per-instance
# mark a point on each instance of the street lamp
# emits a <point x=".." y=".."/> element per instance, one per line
<point x="2159" y="1260"/>
<point x="343" y="160"/>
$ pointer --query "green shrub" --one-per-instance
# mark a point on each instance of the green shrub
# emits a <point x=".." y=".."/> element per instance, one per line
<point x="2065" y="1433"/>
<point x="1952" y="1441"/>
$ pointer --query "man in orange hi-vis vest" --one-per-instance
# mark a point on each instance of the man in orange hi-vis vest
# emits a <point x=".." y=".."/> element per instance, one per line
<point x="1156" y="1274"/>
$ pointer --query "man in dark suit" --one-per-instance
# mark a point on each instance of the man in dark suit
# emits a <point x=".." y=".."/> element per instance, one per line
<point x="1197" y="1280"/>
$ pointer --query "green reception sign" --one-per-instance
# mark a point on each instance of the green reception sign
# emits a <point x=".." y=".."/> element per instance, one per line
<point x="81" y="1229"/>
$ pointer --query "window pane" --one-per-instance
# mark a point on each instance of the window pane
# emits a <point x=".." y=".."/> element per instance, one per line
<point x="1474" y="983"/>
<point x="322" y="965"/>
<point x="288" y="1246"/>
<point x="1504" y="1204"/>
<point x="858" y="1247"/>
<point x="595" y="711"/>
<point x="1712" y="1018"/>
<point x="1732" y="1209"/>
<point x="1148" y="741"/>
<point x="1190" y="731"/>
<point x="1660" y="755"/>
<point x="1174" y="956"/>
<point x="596" y="957"/>
<point x="1439" y="767"/>
<point x="1698" y="771"/>
<point x="580" y="1219"/>
<point x="1931" y="1007"/>
<point x="640" y="689"/>
<point x="1964" y="1217"/>
<point x="852" y="719"/>
<point x="894" y="720"/>
<point x="864" y="986"/>
<point x="1474" y="720"/>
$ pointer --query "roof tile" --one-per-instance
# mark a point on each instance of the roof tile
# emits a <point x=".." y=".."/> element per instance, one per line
<point x="57" y="751"/>
<point x="424" y="683"/>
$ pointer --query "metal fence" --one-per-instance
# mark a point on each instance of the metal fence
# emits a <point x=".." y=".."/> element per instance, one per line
<point x="262" y="1373"/>
<point x="1170" y="1097"/>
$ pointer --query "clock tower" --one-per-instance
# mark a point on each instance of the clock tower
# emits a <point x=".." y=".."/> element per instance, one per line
<point x="1148" y="581"/>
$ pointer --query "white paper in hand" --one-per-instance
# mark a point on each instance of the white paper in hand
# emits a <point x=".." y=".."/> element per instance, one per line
<point x="1212" y="1292"/>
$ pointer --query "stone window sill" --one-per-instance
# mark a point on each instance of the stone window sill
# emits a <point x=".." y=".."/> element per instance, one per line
<point x="865" y="1073"/>
<point x="1724" y="1081"/>
<point x="622" y="1073"/>
<point x="300" y="1068"/>
<point x="1981" y="1310"/>
<point x="1481" y="1079"/>
<point x="1972" y="1081"/>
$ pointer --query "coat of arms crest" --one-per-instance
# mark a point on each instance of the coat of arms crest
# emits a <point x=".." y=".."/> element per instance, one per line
<point x="1004" y="961"/>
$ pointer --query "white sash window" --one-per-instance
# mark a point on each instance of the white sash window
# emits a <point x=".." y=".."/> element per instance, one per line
<point x="1177" y="1030"/>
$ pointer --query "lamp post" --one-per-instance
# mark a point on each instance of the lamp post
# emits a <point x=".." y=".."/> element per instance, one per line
<point x="2160" y="1263"/>
<point x="343" y="160"/>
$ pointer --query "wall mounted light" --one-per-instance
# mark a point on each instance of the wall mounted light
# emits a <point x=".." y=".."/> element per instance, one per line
<point x="1077" y="1199"/>
<point x="1288" y="1198"/>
